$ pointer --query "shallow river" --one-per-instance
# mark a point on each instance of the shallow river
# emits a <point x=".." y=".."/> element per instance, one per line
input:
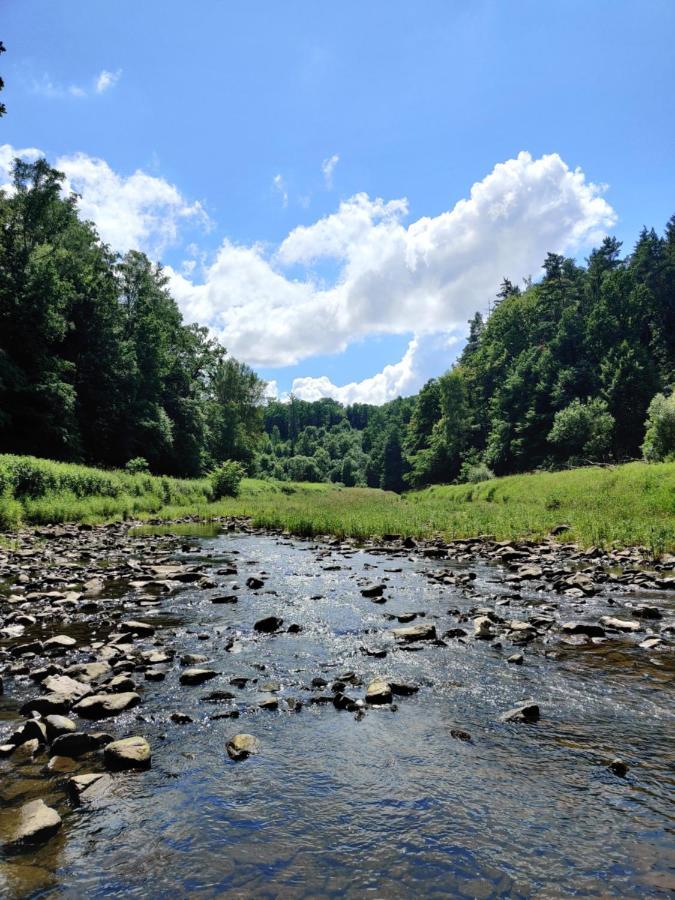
<point x="386" y="804"/>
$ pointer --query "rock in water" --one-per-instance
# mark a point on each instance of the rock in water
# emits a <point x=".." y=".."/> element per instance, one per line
<point x="268" y="625"/>
<point x="372" y="590"/>
<point x="83" y="788"/>
<point x="378" y="692"/>
<point x="415" y="633"/>
<point x="129" y="753"/>
<point x="527" y="712"/>
<point x="197" y="676"/>
<point x="242" y="746"/>
<point x="101" y="706"/>
<point x="36" y="822"/>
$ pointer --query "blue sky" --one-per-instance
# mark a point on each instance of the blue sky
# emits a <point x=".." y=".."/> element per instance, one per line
<point x="252" y="126"/>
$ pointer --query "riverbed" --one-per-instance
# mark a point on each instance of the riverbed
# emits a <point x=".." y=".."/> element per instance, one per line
<point x="429" y="793"/>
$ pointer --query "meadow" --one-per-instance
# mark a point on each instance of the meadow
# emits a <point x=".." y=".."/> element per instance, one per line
<point x="632" y="504"/>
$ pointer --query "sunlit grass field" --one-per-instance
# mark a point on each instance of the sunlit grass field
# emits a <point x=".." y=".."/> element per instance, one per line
<point x="633" y="504"/>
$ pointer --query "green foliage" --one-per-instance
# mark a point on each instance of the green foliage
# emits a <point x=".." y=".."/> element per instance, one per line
<point x="659" y="443"/>
<point x="137" y="465"/>
<point x="473" y="473"/>
<point x="583" y="430"/>
<point x="226" y="479"/>
<point x="96" y="363"/>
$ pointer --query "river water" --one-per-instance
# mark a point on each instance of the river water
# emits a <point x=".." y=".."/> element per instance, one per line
<point x="386" y="804"/>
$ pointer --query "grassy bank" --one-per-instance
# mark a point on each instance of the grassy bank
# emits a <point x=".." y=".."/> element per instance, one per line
<point x="626" y="505"/>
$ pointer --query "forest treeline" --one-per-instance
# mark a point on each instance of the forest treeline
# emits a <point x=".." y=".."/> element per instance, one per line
<point x="563" y="372"/>
<point x="96" y="363"/>
<point x="97" y="366"/>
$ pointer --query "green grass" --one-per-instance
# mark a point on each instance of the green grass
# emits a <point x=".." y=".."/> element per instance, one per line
<point x="625" y="505"/>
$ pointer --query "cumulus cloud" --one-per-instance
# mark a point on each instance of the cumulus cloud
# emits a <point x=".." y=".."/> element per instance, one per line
<point x="106" y="80"/>
<point x="140" y="211"/>
<point x="424" y="278"/>
<point x="328" y="167"/>
<point x="425" y="357"/>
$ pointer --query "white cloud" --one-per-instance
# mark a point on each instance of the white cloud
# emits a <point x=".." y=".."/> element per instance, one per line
<point x="328" y="167"/>
<point x="424" y="278"/>
<point x="424" y="358"/>
<point x="272" y="390"/>
<point x="280" y="186"/>
<point x="276" y="306"/>
<point x="99" y="84"/>
<point x="107" y="80"/>
<point x="140" y="211"/>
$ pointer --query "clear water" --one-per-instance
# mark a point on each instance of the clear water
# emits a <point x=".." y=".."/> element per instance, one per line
<point x="391" y="805"/>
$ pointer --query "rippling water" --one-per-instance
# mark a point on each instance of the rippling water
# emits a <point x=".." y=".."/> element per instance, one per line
<point x="391" y="805"/>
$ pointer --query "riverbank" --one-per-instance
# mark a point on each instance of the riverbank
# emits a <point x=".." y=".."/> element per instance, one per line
<point x="620" y="506"/>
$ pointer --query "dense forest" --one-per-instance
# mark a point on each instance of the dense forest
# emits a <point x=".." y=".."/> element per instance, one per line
<point x="96" y="364"/>
<point x="561" y="373"/>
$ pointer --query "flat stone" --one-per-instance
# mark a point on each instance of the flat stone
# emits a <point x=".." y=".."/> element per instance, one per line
<point x="59" y="644"/>
<point x="372" y="590"/>
<point x="69" y="687"/>
<point x="36" y="822"/>
<point x="620" y="624"/>
<point x="588" y="628"/>
<point x="101" y="706"/>
<point x="129" y="753"/>
<point x="242" y="745"/>
<point x="197" y="676"/>
<point x="423" y="632"/>
<point x="140" y="629"/>
<point x="83" y="788"/>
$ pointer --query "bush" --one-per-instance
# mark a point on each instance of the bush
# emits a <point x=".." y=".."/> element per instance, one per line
<point x="583" y="430"/>
<point x="137" y="466"/>
<point x="226" y="479"/>
<point x="659" y="444"/>
<point x="473" y="473"/>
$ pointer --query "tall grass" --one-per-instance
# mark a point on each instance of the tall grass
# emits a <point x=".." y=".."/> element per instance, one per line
<point x="626" y="505"/>
<point x="39" y="491"/>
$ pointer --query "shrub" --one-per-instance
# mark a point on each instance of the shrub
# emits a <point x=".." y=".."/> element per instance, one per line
<point x="473" y="473"/>
<point x="226" y="479"/>
<point x="583" y="430"/>
<point x="659" y="444"/>
<point x="137" y="466"/>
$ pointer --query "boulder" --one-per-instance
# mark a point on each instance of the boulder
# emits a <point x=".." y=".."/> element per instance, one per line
<point x="50" y="704"/>
<point x="101" y="706"/>
<point x="241" y="746"/>
<point x="36" y="822"/>
<point x="483" y="628"/>
<point x="58" y="725"/>
<point x="75" y="744"/>
<point x="129" y="753"/>
<point x="372" y="590"/>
